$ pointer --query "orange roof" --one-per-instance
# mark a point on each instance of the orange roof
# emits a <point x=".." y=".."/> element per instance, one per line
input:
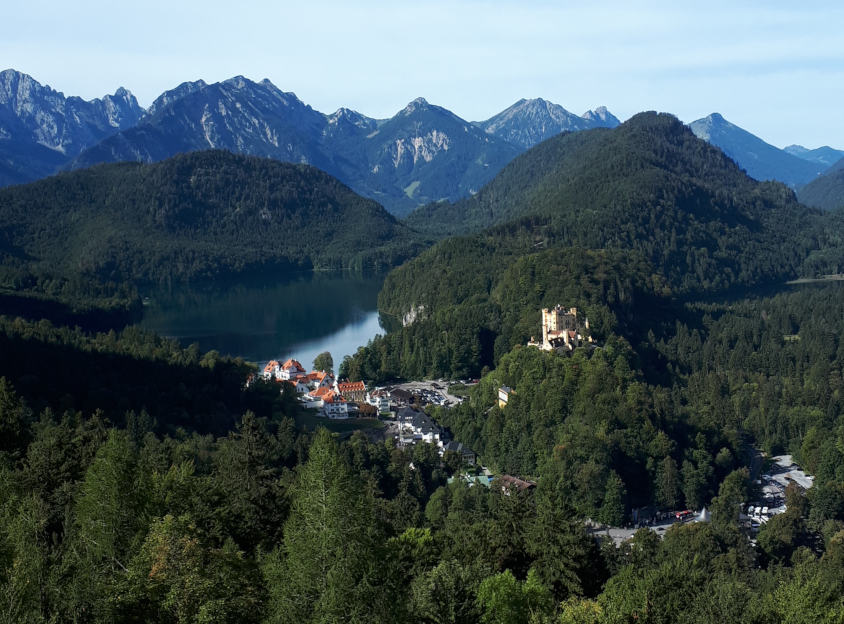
<point x="333" y="397"/>
<point x="351" y="386"/>
<point x="320" y="392"/>
<point x="270" y="366"/>
<point x="291" y="363"/>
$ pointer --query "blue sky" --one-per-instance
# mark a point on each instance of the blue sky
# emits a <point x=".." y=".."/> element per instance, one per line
<point x="775" y="68"/>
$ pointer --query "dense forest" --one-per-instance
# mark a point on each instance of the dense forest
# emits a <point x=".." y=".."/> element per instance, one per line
<point x="153" y="518"/>
<point x="649" y="185"/>
<point x="87" y="240"/>
<point x="668" y="214"/>
<point x="145" y="481"/>
<point x="827" y="190"/>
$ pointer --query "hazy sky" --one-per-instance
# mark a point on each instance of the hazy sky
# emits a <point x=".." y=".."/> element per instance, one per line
<point x="776" y="68"/>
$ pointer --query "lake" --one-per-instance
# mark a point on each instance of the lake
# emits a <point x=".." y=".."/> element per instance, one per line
<point x="260" y="320"/>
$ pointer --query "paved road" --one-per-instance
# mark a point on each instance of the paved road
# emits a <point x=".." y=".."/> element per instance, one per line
<point x="620" y="535"/>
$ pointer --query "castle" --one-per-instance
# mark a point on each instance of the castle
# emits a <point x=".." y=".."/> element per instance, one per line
<point x="560" y="331"/>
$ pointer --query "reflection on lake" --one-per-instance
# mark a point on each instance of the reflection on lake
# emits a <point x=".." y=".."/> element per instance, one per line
<point x="262" y="320"/>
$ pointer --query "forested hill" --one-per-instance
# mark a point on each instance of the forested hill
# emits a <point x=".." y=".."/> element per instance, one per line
<point x="602" y="216"/>
<point x="193" y="216"/>
<point x="827" y="190"/>
<point x="651" y="186"/>
<point x="650" y="167"/>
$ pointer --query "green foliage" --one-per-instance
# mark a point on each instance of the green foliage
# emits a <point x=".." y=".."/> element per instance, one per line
<point x="118" y="372"/>
<point x="505" y="600"/>
<point x="177" y="577"/>
<point x="326" y="569"/>
<point x="324" y="362"/>
<point x="447" y="593"/>
<point x="86" y="237"/>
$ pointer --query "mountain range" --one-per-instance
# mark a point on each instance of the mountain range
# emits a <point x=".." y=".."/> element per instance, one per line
<point x="648" y="185"/>
<point x="41" y="129"/>
<point x="826" y="156"/>
<point x="425" y="153"/>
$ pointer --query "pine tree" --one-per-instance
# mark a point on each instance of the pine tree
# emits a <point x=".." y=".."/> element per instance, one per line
<point x="326" y="568"/>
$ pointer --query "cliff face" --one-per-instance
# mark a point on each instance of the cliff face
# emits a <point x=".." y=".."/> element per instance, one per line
<point x="40" y="128"/>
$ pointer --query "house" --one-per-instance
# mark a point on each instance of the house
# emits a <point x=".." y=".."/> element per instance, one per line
<point x="504" y="393"/>
<point x="291" y="369"/>
<point x="335" y="405"/>
<point x="509" y="484"/>
<point x="466" y="454"/>
<point x="380" y="400"/>
<point x="352" y="390"/>
<point x="425" y="428"/>
<point x="319" y="379"/>
<point x="419" y="425"/>
<point x="272" y="370"/>
<point x="298" y="385"/>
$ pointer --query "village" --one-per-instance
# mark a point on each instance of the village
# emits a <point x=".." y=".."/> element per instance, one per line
<point x="400" y="408"/>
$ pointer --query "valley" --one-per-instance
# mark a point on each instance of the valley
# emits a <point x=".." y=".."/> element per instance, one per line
<point x="635" y="309"/>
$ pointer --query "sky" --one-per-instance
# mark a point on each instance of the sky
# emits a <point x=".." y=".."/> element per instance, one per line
<point x="773" y="67"/>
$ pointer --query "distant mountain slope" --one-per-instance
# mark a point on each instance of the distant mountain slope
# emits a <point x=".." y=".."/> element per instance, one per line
<point x="617" y="222"/>
<point x="761" y="160"/>
<point x="528" y="122"/>
<point x="826" y="191"/>
<point x="648" y="186"/>
<point x="424" y="153"/>
<point x="825" y="156"/>
<point x="430" y="154"/>
<point x="40" y="128"/>
<point x="193" y="216"/>
<point x="510" y="194"/>
<point x="237" y="114"/>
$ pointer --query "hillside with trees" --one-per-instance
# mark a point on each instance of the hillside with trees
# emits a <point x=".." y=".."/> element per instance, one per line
<point x="89" y="237"/>
<point x="143" y="517"/>
<point x="826" y="191"/>
<point x="645" y="212"/>
<point x="144" y="481"/>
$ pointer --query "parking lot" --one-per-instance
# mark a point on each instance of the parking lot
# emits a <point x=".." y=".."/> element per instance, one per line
<point x="430" y="392"/>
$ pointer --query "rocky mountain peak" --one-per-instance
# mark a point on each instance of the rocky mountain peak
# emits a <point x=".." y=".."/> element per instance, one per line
<point x="168" y="97"/>
<point x="419" y="103"/>
<point x="601" y="117"/>
<point x="239" y="82"/>
<point x="528" y="122"/>
<point x="347" y="115"/>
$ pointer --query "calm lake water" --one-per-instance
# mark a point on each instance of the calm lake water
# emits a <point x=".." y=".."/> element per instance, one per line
<point x="261" y="320"/>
